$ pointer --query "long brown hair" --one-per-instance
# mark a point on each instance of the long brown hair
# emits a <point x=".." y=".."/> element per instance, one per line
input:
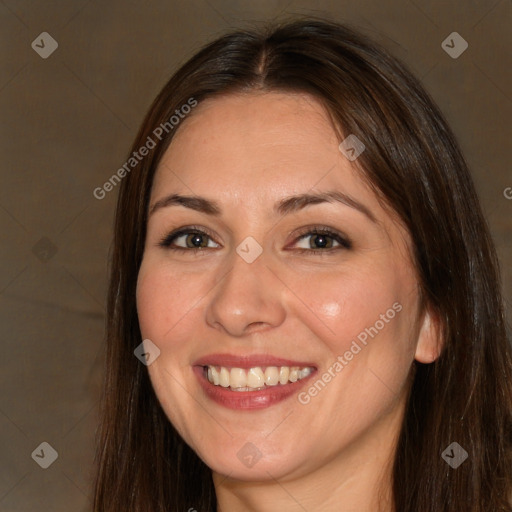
<point x="414" y="164"/>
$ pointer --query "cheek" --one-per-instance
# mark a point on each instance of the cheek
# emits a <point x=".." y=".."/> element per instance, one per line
<point x="365" y="319"/>
<point x="345" y="306"/>
<point x="359" y="323"/>
<point x="165" y="300"/>
<point x="165" y="308"/>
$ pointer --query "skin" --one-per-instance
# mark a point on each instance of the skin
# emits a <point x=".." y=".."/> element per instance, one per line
<point x="247" y="152"/>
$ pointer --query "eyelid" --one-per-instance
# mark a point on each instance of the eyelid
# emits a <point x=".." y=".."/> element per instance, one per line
<point x="165" y="242"/>
<point x="344" y="241"/>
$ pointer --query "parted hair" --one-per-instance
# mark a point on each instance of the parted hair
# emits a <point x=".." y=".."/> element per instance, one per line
<point x="413" y="163"/>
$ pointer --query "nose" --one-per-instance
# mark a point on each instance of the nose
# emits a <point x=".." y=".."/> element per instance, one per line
<point x="248" y="299"/>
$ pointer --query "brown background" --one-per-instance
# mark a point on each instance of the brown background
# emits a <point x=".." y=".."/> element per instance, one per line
<point x="67" y="123"/>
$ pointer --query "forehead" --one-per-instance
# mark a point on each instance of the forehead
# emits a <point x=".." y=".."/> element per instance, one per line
<point x="247" y="152"/>
<point x="266" y="144"/>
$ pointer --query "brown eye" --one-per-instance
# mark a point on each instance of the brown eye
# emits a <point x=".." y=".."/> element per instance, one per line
<point x="195" y="240"/>
<point x="185" y="239"/>
<point x="321" y="240"/>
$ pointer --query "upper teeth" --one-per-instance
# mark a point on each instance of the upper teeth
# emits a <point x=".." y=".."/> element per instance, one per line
<point x="241" y="379"/>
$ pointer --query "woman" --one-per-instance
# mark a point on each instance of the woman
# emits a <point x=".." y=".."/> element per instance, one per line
<point x="303" y="271"/>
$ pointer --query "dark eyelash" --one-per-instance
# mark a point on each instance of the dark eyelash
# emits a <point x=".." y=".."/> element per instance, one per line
<point x="343" y="240"/>
<point x="167" y="240"/>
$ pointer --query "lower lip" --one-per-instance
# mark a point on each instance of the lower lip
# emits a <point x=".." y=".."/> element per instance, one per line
<point x="248" y="400"/>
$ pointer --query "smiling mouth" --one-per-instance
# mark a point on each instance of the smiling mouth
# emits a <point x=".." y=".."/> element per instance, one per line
<point x="253" y="379"/>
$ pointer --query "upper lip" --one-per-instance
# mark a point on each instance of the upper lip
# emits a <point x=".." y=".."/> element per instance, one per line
<point x="249" y="361"/>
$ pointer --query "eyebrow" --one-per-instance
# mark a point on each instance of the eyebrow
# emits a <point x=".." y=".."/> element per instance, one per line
<point x="283" y="207"/>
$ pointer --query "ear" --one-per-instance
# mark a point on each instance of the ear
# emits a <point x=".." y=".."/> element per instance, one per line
<point x="429" y="345"/>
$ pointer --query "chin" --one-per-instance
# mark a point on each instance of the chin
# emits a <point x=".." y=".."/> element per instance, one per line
<point x="250" y="463"/>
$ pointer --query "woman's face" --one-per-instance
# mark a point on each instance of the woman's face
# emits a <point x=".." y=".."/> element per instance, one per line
<point x="319" y="290"/>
